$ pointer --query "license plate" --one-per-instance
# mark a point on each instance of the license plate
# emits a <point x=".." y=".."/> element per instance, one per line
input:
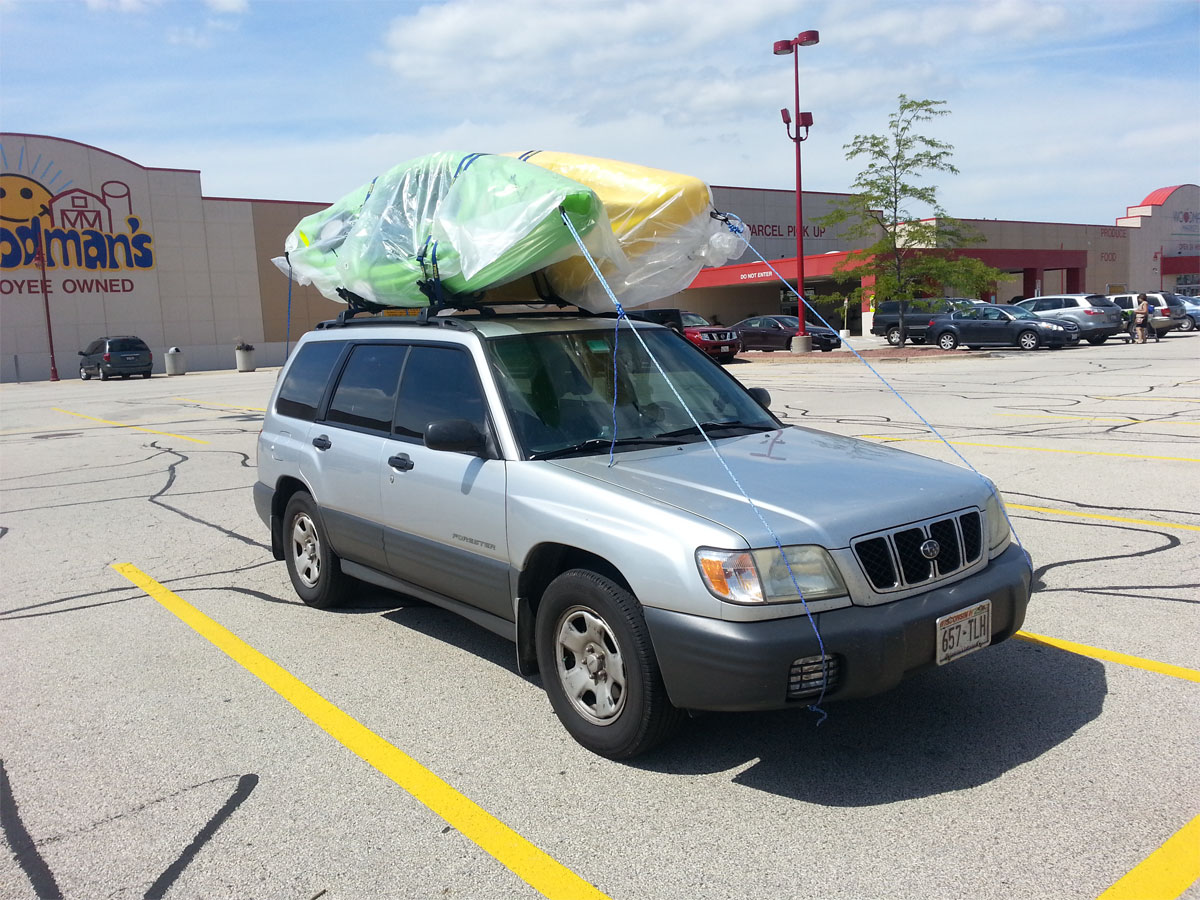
<point x="963" y="632"/>
<point x="724" y="348"/>
<point x="130" y="358"/>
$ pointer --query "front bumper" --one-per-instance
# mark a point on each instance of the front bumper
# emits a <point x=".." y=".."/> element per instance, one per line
<point x="709" y="664"/>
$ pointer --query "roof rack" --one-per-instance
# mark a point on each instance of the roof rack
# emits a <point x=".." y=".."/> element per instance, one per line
<point x="370" y="312"/>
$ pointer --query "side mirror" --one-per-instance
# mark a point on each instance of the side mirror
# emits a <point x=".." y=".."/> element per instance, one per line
<point x="761" y="396"/>
<point x="457" y="435"/>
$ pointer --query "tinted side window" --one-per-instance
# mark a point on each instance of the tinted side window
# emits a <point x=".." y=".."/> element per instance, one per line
<point x="366" y="392"/>
<point x="439" y="383"/>
<point x="1070" y="303"/>
<point x="302" y="388"/>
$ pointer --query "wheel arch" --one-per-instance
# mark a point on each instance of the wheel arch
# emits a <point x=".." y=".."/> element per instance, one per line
<point x="544" y="563"/>
<point x="285" y="488"/>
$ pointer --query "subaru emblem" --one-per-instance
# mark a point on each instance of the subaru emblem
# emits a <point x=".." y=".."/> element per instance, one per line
<point x="930" y="549"/>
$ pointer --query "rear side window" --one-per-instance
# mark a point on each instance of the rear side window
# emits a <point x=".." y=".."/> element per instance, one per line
<point x="439" y="383"/>
<point x="304" y="385"/>
<point x="366" y="392"/>
<point x="1070" y="303"/>
<point x="127" y="345"/>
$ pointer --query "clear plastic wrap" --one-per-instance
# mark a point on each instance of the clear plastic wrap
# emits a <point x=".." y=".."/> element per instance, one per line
<point x="482" y="220"/>
<point x="661" y="220"/>
<point x="475" y="222"/>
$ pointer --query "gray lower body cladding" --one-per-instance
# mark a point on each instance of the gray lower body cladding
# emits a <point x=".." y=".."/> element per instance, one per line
<point x="708" y="664"/>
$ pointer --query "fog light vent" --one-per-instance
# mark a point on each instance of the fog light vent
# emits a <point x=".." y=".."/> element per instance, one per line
<point x="808" y="675"/>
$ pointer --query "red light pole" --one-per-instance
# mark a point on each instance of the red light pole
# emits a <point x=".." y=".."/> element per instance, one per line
<point x="40" y="259"/>
<point x="802" y="342"/>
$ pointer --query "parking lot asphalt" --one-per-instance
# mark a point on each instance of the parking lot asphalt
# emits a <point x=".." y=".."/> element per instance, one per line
<point x="174" y="723"/>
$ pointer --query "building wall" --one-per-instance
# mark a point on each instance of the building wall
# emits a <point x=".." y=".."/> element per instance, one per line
<point x="770" y="220"/>
<point x="1168" y="229"/>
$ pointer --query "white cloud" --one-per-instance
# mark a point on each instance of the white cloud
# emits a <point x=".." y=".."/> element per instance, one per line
<point x="121" y="5"/>
<point x="228" y="6"/>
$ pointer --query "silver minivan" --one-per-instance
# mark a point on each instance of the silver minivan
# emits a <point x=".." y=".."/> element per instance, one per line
<point x="1097" y="316"/>
<point x="567" y="482"/>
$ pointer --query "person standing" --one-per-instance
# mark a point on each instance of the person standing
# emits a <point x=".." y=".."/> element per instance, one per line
<point x="1141" y="318"/>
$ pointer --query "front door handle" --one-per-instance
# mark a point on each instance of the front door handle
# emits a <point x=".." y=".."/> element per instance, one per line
<point x="322" y="442"/>
<point x="402" y="462"/>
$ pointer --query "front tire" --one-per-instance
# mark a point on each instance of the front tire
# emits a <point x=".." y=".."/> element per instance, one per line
<point x="1028" y="340"/>
<point x="314" y="568"/>
<point x="598" y="666"/>
<point x="947" y="340"/>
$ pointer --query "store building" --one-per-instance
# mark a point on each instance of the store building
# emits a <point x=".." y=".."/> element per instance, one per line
<point x="94" y="244"/>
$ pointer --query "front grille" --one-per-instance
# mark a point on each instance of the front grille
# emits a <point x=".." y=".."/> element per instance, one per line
<point x="807" y="674"/>
<point x="896" y="559"/>
<point x="719" y="335"/>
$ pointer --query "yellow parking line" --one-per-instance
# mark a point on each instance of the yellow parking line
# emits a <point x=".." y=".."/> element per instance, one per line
<point x="182" y="437"/>
<point x="529" y="863"/>
<point x="223" y="405"/>
<point x="1129" y="420"/>
<point x="1083" y="515"/>
<point x="896" y="440"/>
<point x="1166" y="873"/>
<point x="1123" y="659"/>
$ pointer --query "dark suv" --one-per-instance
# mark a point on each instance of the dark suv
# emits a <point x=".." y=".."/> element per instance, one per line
<point x="108" y="356"/>
<point x="916" y="318"/>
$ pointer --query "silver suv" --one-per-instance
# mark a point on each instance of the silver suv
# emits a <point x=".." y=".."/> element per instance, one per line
<point x="1167" y="311"/>
<point x="482" y="464"/>
<point x="1097" y="316"/>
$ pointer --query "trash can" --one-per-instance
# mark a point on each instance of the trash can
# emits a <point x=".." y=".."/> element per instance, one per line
<point x="175" y="364"/>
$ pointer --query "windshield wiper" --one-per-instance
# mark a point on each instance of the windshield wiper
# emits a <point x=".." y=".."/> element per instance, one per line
<point x="599" y="444"/>
<point x="710" y="427"/>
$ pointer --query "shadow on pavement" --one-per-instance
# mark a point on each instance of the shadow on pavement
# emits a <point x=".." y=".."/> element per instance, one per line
<point x="942" y="730"/>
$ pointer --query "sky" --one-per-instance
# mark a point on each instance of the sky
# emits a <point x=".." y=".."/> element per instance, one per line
<point x="1059" y="111"/>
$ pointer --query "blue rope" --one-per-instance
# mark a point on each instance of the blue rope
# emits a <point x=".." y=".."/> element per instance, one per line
<point x="739" y="229"/>
<point x="287" y="343"/>
<point x="815" y="707"/>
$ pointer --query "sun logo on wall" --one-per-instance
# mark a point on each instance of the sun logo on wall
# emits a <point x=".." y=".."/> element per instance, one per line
<point x="65" y="226"/>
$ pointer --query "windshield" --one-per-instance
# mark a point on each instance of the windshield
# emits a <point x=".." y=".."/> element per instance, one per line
<point x="558" y="390"/>
<point x="692" y="320"/>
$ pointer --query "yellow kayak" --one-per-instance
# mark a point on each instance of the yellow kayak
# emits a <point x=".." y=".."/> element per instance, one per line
<point x="660" y="219"/>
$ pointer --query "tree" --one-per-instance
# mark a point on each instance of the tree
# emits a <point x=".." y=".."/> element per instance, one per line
<point x="910" y="257"/>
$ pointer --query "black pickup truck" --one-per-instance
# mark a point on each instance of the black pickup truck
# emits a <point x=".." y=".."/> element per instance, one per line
<point x="916" y="317"/>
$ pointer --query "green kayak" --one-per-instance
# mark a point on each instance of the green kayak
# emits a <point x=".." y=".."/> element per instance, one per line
<point x="461" y="222"/>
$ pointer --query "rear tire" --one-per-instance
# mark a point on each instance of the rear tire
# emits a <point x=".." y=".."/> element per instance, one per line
<point x="947" y="340"/>
<point x="1189" y="324"/>
<point x="145" y="374"/>
<point x="1028" y="340"/>
<point x="598" y="666"/>
<point x="1097" y="341"/>
<point x="314" y="568"/>
<point x="974" y="347"/>
<point x="83" y="374"/>
<point x="893" y="336"/>
<point x="104" y="376"/>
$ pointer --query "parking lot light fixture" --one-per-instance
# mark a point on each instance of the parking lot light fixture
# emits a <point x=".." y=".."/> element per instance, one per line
<point x="802" y="342"/>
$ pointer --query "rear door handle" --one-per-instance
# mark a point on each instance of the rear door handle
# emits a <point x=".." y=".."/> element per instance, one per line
<point x="322" y="442"/>
<point x="401" y="461"/>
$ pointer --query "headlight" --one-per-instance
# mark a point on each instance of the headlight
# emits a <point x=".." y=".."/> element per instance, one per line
<point x="1053" y="327"/>
<point x="999" y="532"/>
<point x="762" y="576"/>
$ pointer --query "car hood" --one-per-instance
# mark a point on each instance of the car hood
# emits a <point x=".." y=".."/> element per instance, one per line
<point x="809" y="486"/>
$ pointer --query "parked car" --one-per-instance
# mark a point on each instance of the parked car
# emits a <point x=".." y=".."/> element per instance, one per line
<point x="1000" y="326"/>
<point x="122" y="355"/>
<point x="1191" y="307"/>
<point x="466" y="460"/>
<point x="1167" y="312"/>
<point x="776" y="333"/>
<point x="1098" y="317"/>
<point x="886" y="322"/>
<point x="719" y="342"/>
